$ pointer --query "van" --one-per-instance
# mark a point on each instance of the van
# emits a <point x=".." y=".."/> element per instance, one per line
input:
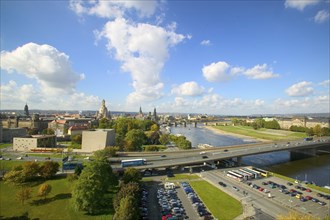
<point x="169" y="185"/>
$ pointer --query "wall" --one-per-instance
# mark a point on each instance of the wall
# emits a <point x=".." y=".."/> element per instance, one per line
<point x="97" y="139"/>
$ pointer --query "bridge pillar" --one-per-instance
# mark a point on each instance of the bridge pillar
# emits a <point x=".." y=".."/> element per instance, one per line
<point x="239" y="161"/>
<point x="195" y="124"/>
<point x="175" y="124"/>
<point x="184" y="124"/>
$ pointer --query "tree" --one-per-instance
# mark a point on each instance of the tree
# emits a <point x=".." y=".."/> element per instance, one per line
<point x="106" y="152"/>
<point x="31" y="170"/>
<point x="44" y="190"/>
<point x="325" y="131"/>
<point x="132" y="175"/>
<point x="151" y="148"/>
<point x="23" y="194"/>
<point x="15" y="177"/>
<point x="134" y="140"/>
<point x="317" y="130"/>
<point x="49" y="169"/>
<point x="89" y="191"/>
<point x="48" y="131"/>
<point x="76" y="139"/>
<point x="309" y="131"/>
<point x="129" y="189"/>
<point x="164" y="139"/>
<point x="128" y="209"/>
<point x="154" y="127"/>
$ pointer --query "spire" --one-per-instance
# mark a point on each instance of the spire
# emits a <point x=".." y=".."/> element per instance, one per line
<point x="140" y="112"/>
<point x="26" y="109"/>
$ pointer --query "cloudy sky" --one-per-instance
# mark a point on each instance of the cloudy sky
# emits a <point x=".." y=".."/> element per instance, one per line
<point x="214" y="57"/>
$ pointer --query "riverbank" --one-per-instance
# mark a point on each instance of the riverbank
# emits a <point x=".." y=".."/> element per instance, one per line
<point x="244" y="137"/>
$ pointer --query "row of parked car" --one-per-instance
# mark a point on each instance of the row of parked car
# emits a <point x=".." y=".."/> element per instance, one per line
<point x="170" y="205"/>
<point x="143" y="204"/>
<point x="292" y="192"/>
<point x="195" y="201"/>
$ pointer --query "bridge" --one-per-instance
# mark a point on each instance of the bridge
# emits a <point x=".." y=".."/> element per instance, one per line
<point x="198" y="156"/>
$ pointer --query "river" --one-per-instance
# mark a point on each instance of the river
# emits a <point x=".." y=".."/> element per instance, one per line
<point x="316" y="169"/>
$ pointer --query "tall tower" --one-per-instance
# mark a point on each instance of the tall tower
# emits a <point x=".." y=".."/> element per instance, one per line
<point x="155" y="114"/>
<point x="140" y="112"/>
<point x="26" y="110"/>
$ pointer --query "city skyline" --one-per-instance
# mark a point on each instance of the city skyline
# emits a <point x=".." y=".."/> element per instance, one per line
<point x="215" y="57"/>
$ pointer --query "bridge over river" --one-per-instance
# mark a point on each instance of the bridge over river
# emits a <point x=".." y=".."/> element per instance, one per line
<point x="298" y="149"/>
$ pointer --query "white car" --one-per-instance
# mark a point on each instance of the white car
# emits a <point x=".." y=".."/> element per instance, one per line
<point x="203" y="152"/>
<point x="19" y="158"/>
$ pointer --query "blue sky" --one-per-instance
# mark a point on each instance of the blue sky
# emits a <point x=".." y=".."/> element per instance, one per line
<point x="214" y="57"/>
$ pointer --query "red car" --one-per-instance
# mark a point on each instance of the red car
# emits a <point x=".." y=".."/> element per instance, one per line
<point x="308" y="197"/>
<point x="308" y="190"/>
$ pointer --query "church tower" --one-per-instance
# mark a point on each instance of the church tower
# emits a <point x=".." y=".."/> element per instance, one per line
<point x="26" y="110"/>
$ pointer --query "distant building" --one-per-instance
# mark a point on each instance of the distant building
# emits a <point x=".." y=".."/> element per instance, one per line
<point x="26" y="110"/>
<point x="74" y="130"/>
<point x="98" y="139"/>
<point x="7" y="134"/>
<point x="34" y="142"/>
<point x="103" y="112"/>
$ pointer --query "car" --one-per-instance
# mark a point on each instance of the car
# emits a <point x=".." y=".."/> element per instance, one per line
<point x="163" y="155"/>
<point x="320" y="195"/>
<point x="303" y="199"/>
<point x="264" y="183"/>
<point x="203" y="152"/>
<point x="204" y="157"/>
<point x="19" y="158"/>
<point x="322" y="203"/>
<point x="308" y="190"/>
<point x="308" y="197"/>
<point x="47" y="158"/>
<point x="315" y="200"/>
<point x="225" y="150"/>
<point x="235" y="188"/>
<point x="222" y="184"/>
<point x="86" y="158"/>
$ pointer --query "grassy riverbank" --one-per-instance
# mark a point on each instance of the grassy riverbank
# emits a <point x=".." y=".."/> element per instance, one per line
<point x="262" y="133"/>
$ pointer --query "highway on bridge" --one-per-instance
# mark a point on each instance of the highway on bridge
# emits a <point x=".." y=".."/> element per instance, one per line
<point x="191" y="157"/>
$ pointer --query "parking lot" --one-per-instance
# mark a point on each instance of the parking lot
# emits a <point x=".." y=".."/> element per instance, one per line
<point x="177" y="201"/>
<point x="275" y="190"/>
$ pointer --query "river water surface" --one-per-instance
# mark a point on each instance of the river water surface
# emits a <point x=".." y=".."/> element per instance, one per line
<point x="316" y="169"/>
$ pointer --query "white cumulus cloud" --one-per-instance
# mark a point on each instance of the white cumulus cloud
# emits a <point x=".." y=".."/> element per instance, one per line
<point x="206" y="43"/>
<point x="143" y="50"/>
<point x="50" y="67"/>
<point x="300" y="89"/>
<point x="300" y="4"/>
<point x="113" y="8"/>
<point x="321" y="16"/>
<point x="188" y="89"/>
<point x="260" y="72"/>
<point x="216" y="72"/>
<point x="325" y="83"/>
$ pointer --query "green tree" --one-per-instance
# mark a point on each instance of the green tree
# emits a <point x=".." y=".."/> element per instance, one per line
<point x="134" y="140"/>
<point x="76" y="139"/>
<point x="44" y="190"/>
<point x="309" y="131"/>
<point x="108" y="151"/>
<point x="94" y="181"/>
<point x="154" y="127"/>
<point x="23" y="194"/>
<point x="48" y="131"/>
<point x="317" y="130"/>
<point x="105" y="123"/>
<point x="325" y="131"/>
<point x="129" y="189"/>
<point x="151" y="148"/>
<point x="164" y="139"/>
<point x="128" y="209"/>
<point x="49" y="169"/>
<point x="131" y="175"/>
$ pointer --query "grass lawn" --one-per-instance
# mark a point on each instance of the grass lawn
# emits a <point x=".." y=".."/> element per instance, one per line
<point x="56" y="206"/>
<point x="4" y="145"/>
<point x="220" y="204"/>
<point x="184" y="177"/>
<point x="263" y="133"/>
<point x="8" y="164"/>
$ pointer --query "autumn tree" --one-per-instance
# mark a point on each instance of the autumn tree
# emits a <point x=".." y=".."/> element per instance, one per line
<point x="49" y="169"/>
<point x="154" y="127"/>
<point x="164" y="139"/>
<point x="23" y="194"/>
<point x="31" y="170"/>
<point x="44" y="190"/>
<point x="15" y="177"/>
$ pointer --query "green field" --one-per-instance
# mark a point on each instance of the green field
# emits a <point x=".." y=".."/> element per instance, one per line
<point x="56" y="206"/>
<point x="263" y="133"/>
<point x="184" y="177"/>
<point x="4" y="145"/>
<point x="220" y="204"/>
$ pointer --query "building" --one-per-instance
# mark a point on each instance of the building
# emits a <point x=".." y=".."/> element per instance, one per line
<point x="34" y="143"/>
<point x="75" y="129"/>
<point x="103" y="112"/>
<point x="7" y="134"/>
<point x="98" y="139"/>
